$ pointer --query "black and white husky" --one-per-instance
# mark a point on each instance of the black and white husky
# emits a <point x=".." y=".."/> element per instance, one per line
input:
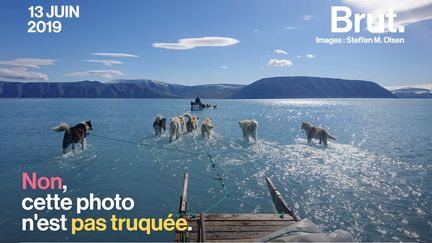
<point x="75" y="134"/>
<point x="159" y="125"/>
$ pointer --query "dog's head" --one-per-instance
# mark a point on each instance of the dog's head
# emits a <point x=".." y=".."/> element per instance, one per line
<point x="208" y="122"/>
<point x="306" y="125"/>
<point x="253" y="124"/>
<point x="244" y="123"/>
<point x="158" y="117"/>
<point x="174" y="120"/>
<point x="89" y="125"/>
<point x="181" y="119"/>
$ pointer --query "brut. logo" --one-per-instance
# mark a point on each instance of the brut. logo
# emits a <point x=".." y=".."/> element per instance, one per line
<point x="341" y="21"/>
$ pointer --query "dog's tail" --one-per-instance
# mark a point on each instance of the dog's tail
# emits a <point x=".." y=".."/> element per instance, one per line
<point x="330" y="136"/>
<point x="62" y="127"/>
<point x="189" y="116"/>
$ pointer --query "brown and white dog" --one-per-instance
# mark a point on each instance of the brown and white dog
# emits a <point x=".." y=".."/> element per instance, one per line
<point x="249" y="128"/>
<point x="206" y="127"/>
<point x="75" y="134"/>
<point x="316" y="132"/>
<point x="182" y="123"/>
<point x="192" y="123"/>
<point x="159" y="125"/>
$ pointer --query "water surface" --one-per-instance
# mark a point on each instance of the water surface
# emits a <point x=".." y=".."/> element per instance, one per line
<point x="373" y="181"/>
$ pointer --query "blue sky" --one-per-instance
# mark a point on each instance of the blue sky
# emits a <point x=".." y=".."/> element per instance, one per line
<point x="256" y="39"/>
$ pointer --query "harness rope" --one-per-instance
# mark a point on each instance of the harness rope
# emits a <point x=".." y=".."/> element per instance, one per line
<point x="191" y="154"/>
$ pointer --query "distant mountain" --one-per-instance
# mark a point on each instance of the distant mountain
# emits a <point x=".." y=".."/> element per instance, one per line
<point x="117" y="89"/>
<point x="207" y="91"/>
<point x="409" y="92"/>
<point x="84" y="89"/>
<point x="278" y="87"/>
<point x="311" y="87"/>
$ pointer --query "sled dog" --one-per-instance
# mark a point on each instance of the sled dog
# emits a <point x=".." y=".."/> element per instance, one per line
<point x="174" y="129"/>
<point x="249" y="129"/>
<point x="73" y="135"/>
<point x="192" y="122"/>
<point x="206" y="127"/>
<point x="159" y="125"/>
<point x="316" y="132"/>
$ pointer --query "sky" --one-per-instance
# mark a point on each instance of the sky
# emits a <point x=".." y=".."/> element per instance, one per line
<point x="200" y="42"/>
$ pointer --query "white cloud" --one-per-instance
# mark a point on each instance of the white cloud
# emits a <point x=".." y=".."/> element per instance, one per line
<point x="113" y="54"/>
<point x="191" y="43"/>
<point x="408" y="11"/>
<point x="298" y="56"/>
<point x="256" y="30"/>
<point x="307" y="17"/>
<point x="291" y="27"/>
<point x="279" y="63"/>
<point x="310" y="56"/>
<point x="280" y="51"/>
<point x="107" y="63"/>
<point x="224" y="67"/>
<point x="100" y="73"/>
<point x="21" y="73"/>
<point x="28" y="62"/>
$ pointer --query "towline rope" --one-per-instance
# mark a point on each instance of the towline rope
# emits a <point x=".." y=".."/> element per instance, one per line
<point x="213" y="164"/>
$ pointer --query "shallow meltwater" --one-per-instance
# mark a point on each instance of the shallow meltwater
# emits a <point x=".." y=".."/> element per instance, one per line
<point x="341" y="186"/>
<point x="369" y="181"/>
<point x="338" y="187"/>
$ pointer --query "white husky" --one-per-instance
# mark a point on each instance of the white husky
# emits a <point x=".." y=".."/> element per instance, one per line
<point x="206" y="127"/>
<point x="174" y="128"/>
<point x="249" y="128"/>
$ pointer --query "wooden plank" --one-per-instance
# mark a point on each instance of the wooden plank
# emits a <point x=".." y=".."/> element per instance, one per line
<point x="202" y="229"/>
<point x="230" y="240"/>
<point x="241" y="228"/>
<point x="235" y="235"/>
<point x="177" y="237"/>
<point x="182" y="236"/>
<point x="183" y="197"/>
<point x="240" y="217"/>
<point x="279" y="202"/>
<point x="194" y="223"/>
<point x="229" y="236"/>
<point x="193" y="237"/>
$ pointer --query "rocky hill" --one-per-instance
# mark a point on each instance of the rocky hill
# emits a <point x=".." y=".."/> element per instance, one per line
<point x="267" y="88"/>
<point x="311" y="87"/>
